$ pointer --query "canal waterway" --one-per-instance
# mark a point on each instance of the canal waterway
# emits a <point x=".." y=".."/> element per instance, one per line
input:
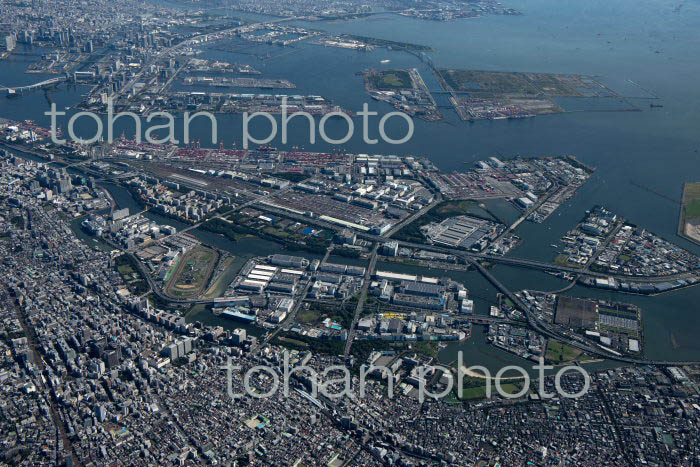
<point x="650" y="49"/>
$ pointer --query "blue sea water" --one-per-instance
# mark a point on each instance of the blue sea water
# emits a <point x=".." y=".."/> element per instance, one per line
<point x="641" y="49"/>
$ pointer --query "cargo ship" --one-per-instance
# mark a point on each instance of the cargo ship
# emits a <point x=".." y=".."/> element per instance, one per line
<point x="238" y="316"/>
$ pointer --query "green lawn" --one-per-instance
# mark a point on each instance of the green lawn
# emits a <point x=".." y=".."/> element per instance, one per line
<point x="558" y="352"/>
<point x="691" y="201"/>
<point x="479" y="392"/>
<point x="561" y="260"/>
<point x="125" y="270"/>
<point x="392" y="80"/>
<point x="276" y="232"/>
<point x="429" y="349"/>
<point x="307" y="316"/>
<point x="455" y="208"/>
<point x="294" y="342"/>
<point x="630" y="332"/>
<point x="693" y="189"/>
<point x="692" y="210"/>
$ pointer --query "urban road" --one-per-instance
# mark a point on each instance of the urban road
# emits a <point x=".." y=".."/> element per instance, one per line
<point x="54" y="404"/>
<point x="171" y="51"/>
<point x="262" y="203"/>
<point x="570" y="339"/>
<point x="362" y="299"/>
<point x="472" y="259"/>
<point x="509" y="261"/>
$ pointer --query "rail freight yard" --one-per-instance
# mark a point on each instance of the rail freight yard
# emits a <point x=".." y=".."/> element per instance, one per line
<point x="363" y="205"/>
<point x="370" y="193"/>
<point x="239" y="290"/>
<point x="359" y="206"/>
<point x="496" y="95"/>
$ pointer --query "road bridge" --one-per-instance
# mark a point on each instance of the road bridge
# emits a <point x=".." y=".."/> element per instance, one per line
<point x="481" y="319"/>
<point x="467" y="255"/>
<point x="20" y="89"/>
<point x="471" y="259"/>
<point x="573" y="341"/>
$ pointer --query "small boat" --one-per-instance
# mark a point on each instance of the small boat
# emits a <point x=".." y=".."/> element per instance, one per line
<point x="384" y="62"/>
<point x="554" y="245"/>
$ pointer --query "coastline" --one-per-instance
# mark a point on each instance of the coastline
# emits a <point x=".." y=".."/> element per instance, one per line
<point x="681" y="216"/>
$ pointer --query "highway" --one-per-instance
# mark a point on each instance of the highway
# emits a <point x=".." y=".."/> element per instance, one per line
<point x="191" y="41"/>
<point x="494" y="259"/>
<point x="29" y="87"/>
<point x="363" y="297"/>
<point x="222" y="216"/>
<point x="407" y="221"/>
<point x="293" y="314"/>
<point x="572" y="340"/>
<point x="472" y="259"/>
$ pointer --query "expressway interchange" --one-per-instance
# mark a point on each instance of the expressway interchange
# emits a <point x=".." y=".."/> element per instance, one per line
<point x="475" y="260"/>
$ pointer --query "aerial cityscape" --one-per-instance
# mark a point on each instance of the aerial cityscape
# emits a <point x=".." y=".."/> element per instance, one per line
<point x="343" y="233"/>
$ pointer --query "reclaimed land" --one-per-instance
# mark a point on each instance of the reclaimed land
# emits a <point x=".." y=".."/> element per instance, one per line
<point x="440" y="212"/>
<point x="389" y="80"/>
<point x="392" y="44"/>
<point x="689" y="222"/>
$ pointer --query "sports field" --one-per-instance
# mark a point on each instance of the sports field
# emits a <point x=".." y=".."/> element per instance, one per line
<point x="192" y="273"/>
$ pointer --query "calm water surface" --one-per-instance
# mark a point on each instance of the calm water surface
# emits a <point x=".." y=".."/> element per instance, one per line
<point x="640" y="49"/>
